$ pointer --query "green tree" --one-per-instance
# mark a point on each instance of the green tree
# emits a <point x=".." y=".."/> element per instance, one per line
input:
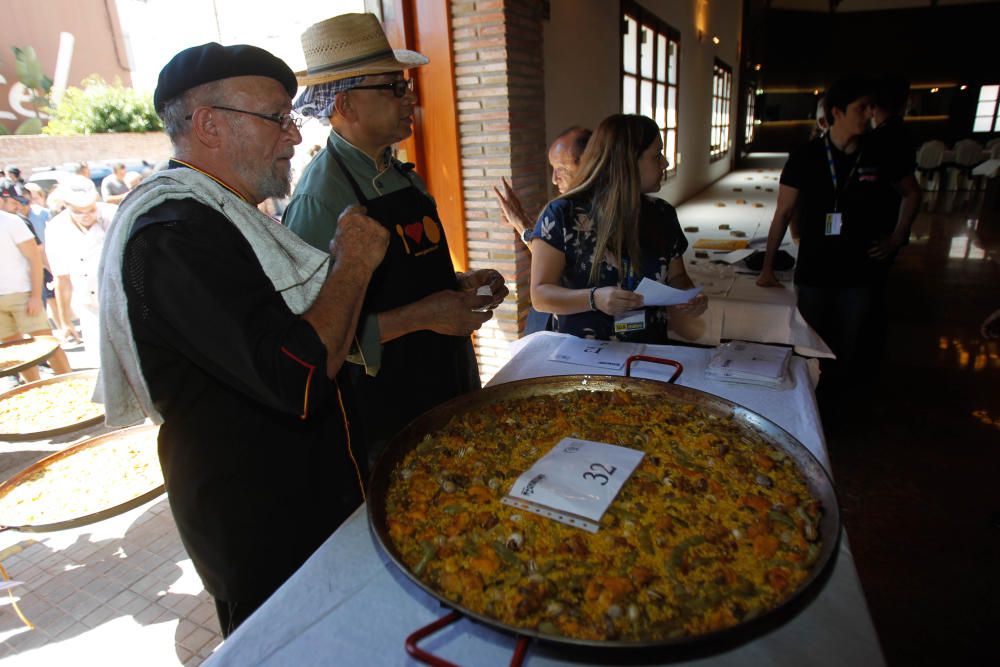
<point x="30" y="75"/>
<point x="99" y="107"/>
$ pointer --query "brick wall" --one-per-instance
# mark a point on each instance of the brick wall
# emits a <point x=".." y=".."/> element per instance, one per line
<point x="41" y="151"/>
<point x="501" y="113"/>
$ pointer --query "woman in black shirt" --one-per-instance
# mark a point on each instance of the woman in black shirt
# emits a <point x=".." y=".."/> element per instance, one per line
<point x="605" y="234"/>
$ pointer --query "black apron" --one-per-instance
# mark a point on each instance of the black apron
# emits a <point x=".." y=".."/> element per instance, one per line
<point x="421" y="369"/>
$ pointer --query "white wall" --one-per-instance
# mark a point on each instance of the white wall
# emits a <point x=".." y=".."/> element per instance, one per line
<point x="583" y="64"/>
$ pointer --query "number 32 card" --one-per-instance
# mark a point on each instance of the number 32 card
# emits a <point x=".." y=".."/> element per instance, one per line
<point x="575" y="482"/>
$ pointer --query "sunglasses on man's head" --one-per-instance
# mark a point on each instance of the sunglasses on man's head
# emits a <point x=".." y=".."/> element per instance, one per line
<point x="398" y="88"/>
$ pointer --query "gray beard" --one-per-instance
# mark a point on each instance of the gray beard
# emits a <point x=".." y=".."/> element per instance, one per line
<point x="272" y="183"/>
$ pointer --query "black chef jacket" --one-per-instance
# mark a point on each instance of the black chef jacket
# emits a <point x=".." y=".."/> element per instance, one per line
<point x="253" y="446"/>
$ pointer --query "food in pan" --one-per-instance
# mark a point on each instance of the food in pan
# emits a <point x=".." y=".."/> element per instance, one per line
<point x="87" y="481"/>
<point x="50" y="406"/>
<point x="714" y="527"/>
<point x="18" y="353"/>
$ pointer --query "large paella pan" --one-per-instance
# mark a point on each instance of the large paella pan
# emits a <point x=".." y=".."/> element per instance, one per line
<point x="50" y="407"/>
<point x="649" y="577"/>
<point x="18" y="355"/>
<point x="88" y="482"/>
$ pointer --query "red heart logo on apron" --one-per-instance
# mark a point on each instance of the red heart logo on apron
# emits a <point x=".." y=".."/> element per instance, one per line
<point x="415" y="231"/>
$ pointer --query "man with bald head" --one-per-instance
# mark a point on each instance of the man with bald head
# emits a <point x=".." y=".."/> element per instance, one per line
<point x="564" y="158"/>
<point x="230" y="331"/>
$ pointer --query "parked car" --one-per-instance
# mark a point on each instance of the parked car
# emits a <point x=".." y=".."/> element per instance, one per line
<point x="48" y="179"/>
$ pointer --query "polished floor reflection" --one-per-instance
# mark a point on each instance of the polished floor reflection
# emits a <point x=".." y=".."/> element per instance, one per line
<point x="917" y="458"/>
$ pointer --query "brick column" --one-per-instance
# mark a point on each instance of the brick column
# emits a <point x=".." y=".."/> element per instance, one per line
<point x="501" y="113"/>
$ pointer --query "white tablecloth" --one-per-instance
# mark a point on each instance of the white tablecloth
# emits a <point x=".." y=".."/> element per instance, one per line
<point x="738" y="309"/>
<point x="349" y="605"/>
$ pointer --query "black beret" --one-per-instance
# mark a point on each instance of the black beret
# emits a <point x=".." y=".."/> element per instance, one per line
<point x="212" y="62"/>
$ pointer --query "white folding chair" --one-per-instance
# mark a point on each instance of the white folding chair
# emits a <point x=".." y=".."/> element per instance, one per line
<point x="968" y="154"/>
<point x="930" y="157"/>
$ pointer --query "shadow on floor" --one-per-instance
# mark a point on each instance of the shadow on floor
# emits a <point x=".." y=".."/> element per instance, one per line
<point x="917" y="458"/>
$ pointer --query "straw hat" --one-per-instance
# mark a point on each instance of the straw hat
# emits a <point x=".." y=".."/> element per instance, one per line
<point x="351" y="45"/>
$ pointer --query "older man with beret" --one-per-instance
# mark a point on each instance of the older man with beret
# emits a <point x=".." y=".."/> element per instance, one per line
<point x="231" y="331"/>
<point x="413" y="350"/>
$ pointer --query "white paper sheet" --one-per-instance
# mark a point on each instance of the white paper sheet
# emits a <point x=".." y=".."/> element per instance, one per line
<point x="595" y="353"/>
<point x="658" y="294"/>
<point x="735" y="256"/>
<point x="575" y="482"/>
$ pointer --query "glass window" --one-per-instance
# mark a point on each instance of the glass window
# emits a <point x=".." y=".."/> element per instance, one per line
<point x="661" y="58"/>
<point x="987" y="113"/>
<point x="722" y="84"/>
<point x="646" y="99"/>
<point x="661" y="105"/>
<point x="650" y="52"/>
<point x="628" y="45"/>
<point x="749" y="128"/>
<point x="646" y="52"/>
<point x="628" y="94"/>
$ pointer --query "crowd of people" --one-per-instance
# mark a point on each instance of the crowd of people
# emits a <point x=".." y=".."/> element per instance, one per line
<point x="66" y="226"/>
<point x="326" y="334"/>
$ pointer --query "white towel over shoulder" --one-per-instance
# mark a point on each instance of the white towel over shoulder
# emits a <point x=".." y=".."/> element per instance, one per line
<point x="296" y="269"/>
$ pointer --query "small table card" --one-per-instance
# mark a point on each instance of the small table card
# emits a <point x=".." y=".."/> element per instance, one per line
<point x="575" y="482"/>
<point x="608" y="354"/>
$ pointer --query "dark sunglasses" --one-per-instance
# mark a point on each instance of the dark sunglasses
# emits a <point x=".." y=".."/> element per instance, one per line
<point x="398" y="88"/>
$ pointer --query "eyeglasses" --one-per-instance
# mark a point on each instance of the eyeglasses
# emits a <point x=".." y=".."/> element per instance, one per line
<point x="398" y="88"/>
<point x="284" y="120"/>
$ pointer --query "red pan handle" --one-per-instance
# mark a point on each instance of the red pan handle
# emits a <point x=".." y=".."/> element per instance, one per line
<point x="655" y="360"/>
<point x="423" y="656"/>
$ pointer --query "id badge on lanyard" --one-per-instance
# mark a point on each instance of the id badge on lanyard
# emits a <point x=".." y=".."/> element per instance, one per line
<point x="633" y="320"/>
<point x="834" y="223"/>
<point x="835" y="220"/>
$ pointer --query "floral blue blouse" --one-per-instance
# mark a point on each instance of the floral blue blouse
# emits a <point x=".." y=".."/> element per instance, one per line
<point x="566" y="225"/>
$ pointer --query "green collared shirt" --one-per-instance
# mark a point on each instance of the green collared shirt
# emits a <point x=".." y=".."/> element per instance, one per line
<point x="321" y="196"/>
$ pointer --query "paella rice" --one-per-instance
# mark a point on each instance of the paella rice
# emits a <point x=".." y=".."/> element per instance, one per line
<point x="714" y="527"/>
<point x="50" y="406"/>
<point x="87" y="481"/>
<point x="18" y="353"/>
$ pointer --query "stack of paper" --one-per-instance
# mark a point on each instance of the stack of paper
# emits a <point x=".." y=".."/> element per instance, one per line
<point x="750" y="363"/>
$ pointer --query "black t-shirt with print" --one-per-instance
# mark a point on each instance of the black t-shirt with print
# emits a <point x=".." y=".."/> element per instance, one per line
<point x="842" y="260"/>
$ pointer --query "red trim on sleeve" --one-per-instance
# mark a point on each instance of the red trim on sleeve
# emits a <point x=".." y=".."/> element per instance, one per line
<point x="312" y="369"/>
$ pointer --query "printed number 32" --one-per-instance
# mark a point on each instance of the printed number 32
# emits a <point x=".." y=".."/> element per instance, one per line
<point x="602" y="477"/>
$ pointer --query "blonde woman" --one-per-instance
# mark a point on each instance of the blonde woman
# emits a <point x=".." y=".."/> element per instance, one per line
<point x="592" y="245"/>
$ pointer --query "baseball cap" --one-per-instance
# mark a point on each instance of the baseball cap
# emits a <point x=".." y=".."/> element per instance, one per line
<point x="13" y="191"/>
<point x="78" y="192"/>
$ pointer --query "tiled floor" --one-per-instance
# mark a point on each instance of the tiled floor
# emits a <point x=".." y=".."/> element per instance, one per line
<point x="917" y="458"/>
<point x="123" y="589"/>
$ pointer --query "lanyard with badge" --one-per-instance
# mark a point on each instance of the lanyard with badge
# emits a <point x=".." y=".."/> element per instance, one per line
<point x="835" y="220"/>
<point x="633" y="320"/>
